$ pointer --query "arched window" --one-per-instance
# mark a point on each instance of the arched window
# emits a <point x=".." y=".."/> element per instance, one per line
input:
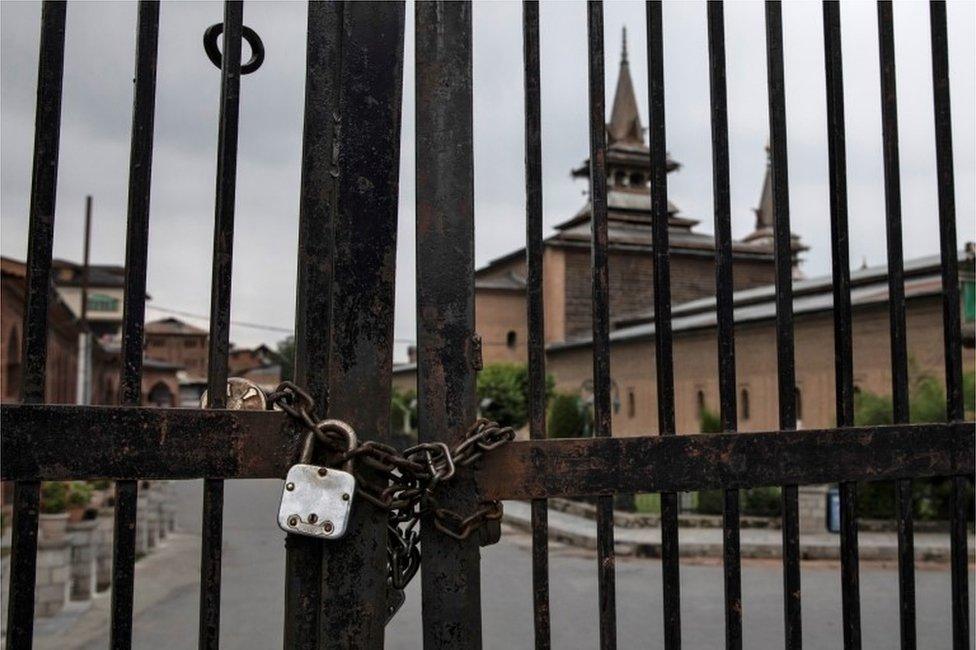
<point x="12" y="371"/>
<point x="160" y="395"/>
<point x="631" y="403"/>
<point x="744" y="403"/>
<point x="700" y="402"/>
<point x="798" y="401"/>
<point x="511" y="338"/>
<point x="637" y="180"/>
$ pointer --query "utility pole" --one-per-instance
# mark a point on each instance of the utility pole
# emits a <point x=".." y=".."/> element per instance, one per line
<point x="85" y="343"/>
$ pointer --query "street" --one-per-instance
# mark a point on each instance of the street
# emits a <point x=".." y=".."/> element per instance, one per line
<point x="253" y="587"/>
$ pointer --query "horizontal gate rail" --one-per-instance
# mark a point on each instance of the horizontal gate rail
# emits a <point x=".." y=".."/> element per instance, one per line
<point x="44" y="442"/>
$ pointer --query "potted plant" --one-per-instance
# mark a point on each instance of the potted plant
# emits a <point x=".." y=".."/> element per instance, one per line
<point x="78" y="500"/>
<point x="102" y="492"/>
<point x="53" y="520"/>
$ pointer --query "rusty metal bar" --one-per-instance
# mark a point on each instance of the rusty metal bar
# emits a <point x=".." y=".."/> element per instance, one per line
<point x="134" y="309"/>
<point x="952" y="335"/>
<point x="896" y="308"/>
<point x="353" y="606"/>
<point x="446" y="355"/>
<point x="663" y="342"/>
<point x="725" y="318"/>
<point x="601" y="316"/>
<point x="220" y="292"/>
<point x="843" y="343"/>
<point x="313" y="310"/>
<point x="783" y="254"/>
<point x="534" y="250"/>
<point x="51" y="442"/>
<point x="40" y="242"/>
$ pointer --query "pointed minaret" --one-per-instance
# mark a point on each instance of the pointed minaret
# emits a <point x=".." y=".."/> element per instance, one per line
<point x="625" y="125"/>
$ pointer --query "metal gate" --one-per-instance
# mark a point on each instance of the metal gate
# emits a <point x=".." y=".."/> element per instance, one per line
<point x="337" y="591"/>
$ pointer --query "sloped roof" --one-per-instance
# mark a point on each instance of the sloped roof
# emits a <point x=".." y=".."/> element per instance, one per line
<point x="868" y="286"/>
<point x="173" y="326"/>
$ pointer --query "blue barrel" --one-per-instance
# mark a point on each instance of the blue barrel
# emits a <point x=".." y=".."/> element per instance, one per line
<point x="833" y="510"/>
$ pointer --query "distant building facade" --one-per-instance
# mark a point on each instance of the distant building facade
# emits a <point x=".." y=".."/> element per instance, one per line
<point x="179" y="343"/>
<point x="501" y="321"/>
<point x="159" y="383"/>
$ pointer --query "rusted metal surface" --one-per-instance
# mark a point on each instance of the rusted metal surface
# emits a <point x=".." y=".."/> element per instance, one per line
<point x="353" y="605"/>
<point x="663" y="341"/>
<point x="599" y="264"/>
<point x="535" y="312"/>
<point x="53" y="442"/>
<point x="952" y="350"/>
<point x="783" y="261"/>
<point x="447" y="401"/>
<point x="551" y="468"/>
<point x="134" y="309"/>
<point x="725" y="329"/>
<point x="843" y="341"/>
<point x="40" y="242"/>
<point x="313" y="310"/>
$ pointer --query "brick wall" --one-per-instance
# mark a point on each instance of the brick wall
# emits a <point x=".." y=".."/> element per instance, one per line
<point x="632" y="283"/>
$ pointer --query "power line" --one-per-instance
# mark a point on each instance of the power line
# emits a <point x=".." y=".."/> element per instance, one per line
<point x="257" y="326"/>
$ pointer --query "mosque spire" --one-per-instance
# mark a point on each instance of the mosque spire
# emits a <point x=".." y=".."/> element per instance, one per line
<point x="625" y="125"/>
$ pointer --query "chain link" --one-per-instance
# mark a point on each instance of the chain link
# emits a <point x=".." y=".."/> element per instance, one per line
<point x="402" y="483"/>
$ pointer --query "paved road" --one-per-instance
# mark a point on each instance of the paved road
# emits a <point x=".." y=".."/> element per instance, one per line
<point x="253" y="592"/>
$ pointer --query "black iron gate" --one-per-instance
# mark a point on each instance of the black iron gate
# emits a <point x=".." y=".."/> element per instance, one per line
<point x="337" y="592"/>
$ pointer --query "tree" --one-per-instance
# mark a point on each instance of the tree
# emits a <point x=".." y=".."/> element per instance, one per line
<point x="503" y="393"/>
<point x="285" y="354"/>
<point x="565" y="417"/>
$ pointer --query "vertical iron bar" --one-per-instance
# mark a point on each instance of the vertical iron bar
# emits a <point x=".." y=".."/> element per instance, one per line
<point x="663" y="352"/>
<point x="40" y="241"/>
<point x="220" y="291"/>
<point x="313" y="311"/>
<point x="725" y="314"/>
<point x="534" y="251"/>
<point x="843" y="345"/>
<point x="952" y="336"/>
<point x="134" y="308"/>
<point x="353" y="607"/>
<point x="783" y="260"/>
<point x="601" y="316"/>
<point x="451" y="576"/>
<point x="896" y="308"/>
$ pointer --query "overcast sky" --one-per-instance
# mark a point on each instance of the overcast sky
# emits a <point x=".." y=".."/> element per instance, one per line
<point x="97" y="117"/>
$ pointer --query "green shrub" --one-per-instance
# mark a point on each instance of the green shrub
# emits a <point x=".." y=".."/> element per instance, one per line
<point x="710" y="422"/>
<point x="505" y="388"/>
<point x="761" y="502"/>
<point x="648" y="503"/>
<point x="54" y="497"/>
<point x="101" y="484"/>
<point x="711" y="502"/>
<point x="403" y="405"/>
<point x="79" y="494"/>
<point x="565" y="418"/>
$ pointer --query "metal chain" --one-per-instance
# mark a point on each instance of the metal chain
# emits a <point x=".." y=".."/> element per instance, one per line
<point x="402" y="483"/>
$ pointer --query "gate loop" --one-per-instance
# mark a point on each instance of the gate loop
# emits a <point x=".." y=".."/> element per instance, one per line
<point x="402" y="483"/>
<point x="213" y="52"/>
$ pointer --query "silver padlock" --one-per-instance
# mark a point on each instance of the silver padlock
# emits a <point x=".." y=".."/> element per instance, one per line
<point x="242" y="395"/>
<point x="317" y="501"/>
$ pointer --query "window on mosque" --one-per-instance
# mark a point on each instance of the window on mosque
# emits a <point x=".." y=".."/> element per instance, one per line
<point x="101" y="302"/>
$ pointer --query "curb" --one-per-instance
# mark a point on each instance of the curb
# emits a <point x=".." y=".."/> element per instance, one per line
<point x="808" y="551"/>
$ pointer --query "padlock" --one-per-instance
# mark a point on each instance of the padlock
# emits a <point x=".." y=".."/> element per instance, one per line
<point x="317" y="501"/>
<point x="242" y="395"/>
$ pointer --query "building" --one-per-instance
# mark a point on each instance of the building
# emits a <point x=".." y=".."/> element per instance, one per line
<point x="62" y="343"/>
<point x="501" y="321"/>
<point x="179" y="343"/>
<point x="106" y="285"/>
<point x="159" y="385"/>
<point x="632" y="363"/>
